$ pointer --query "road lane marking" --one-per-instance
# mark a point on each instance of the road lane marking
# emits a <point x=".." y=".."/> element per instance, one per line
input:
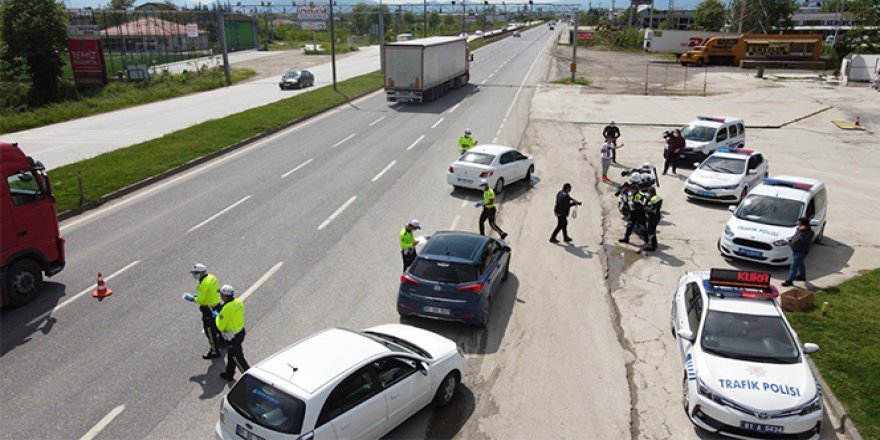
<point x="453" y="108"/>
<point x="484" y="81"/>
<point x="376" y="121"/>
<point x="455" y="222"/>
<point x="437" y="123"/>
<point x="228" y="208"/>
<point x="297" y="168"/>
<point x="103" y="423"/>
<point x="491" y="75"/>
<point x="464" y="203"/>
<point x="91" y="288"/>
<point x="414" y="143"/>
<point x="260" y="281"/>
<point x="337" y="212"/>
<point x="525" y="78"/>
<point x="342" y="141"/>
<point x="495" y="139"/>
<point x="384" y="170"/>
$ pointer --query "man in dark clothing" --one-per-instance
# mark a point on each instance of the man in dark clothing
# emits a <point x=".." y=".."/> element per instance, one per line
<point x="611" y="131"/>
<point x="564" y="202"/>
<point x="800" y="244"/>
<point x="636" y="203"/>
<point x="652" y="212"/>
<point x="674" y="145"/>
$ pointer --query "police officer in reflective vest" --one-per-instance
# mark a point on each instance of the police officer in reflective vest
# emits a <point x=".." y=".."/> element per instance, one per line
<point x="208" y="299"/>
<point x="652" y="211"/>
<point x="636" y="203"/>
<point x="488" y="213"/>
<point x="230" y="323"/>
<point x="408" y="242"/>
<point x="466" y="142"/>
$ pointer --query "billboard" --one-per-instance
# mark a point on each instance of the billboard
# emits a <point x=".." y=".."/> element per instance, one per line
<point x="313" y="17"/>
<point x="87" y="62"/>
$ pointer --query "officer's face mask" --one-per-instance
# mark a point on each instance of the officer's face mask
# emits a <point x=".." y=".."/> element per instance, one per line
<point x="197" y="276"/>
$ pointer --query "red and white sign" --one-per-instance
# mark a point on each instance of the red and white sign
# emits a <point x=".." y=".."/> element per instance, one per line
<point x="192" y="30"/>
<point x="586" y="36"/>
<point x="87" y="62"/>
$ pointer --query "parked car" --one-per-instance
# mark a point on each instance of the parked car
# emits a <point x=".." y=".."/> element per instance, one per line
<point x="454" y="278"/>
<point x="706" y="134"/>
<point x="296" y="79"/>
<point x="343" y="384"/>
<point x="498" y="164"/>
<point x="726" y="175"/>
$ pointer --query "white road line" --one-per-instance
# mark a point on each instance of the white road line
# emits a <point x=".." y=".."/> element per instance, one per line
<point x="336" y="214"/>
<point x="342" y="141"/>
<point x="376" y="121"/>
<point x="495" y="139"/>
<point x="455" y="222"/>
<point x="525" y="77"/>
<point x="464" y="202"/>
<point x="260" y="281"/>
<point x="219" y="214"/>
<point x="295" y="169"/>
<point x="437" y="123"/>
<point x="103" y="423"/>
<point x="384" y="170"/>
<point x="491" y="75"/>
<point x="414" y="143"/>
<point x="453" y="108"/>
<point x="484" y="81"/>
<point x="91" y="288"/>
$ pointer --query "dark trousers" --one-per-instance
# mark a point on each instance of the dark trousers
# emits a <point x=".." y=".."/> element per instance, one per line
<point x="561" y="225"/>
<point x="235" y="355"/>
<point x="635" y="217"/>
<point x="614" y="150"/>
<point x="798" y="268"/>
<point x="409" y="255"/>
<point x="210" y="327"/>
<point x="489" y="214"/>
<point x="653" y="221"/>
<point x="670" y="160"/>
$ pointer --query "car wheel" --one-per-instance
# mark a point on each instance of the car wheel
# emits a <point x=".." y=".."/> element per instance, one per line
<point x="446" y="391"/>
<point x="23" y="280"/>
<point x="529" y="175"/>
<point x="499" y="185"/>
<point x="684" y="396"/>
<point x="820" y="235"/>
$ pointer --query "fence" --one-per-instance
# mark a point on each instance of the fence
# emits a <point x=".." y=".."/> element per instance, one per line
<point x="672" y="79"/>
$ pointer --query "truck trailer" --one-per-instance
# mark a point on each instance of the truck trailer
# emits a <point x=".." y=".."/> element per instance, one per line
<point x="752" y="50"/>
<point x="677" y="42"/>
<point x="424" y="69"/>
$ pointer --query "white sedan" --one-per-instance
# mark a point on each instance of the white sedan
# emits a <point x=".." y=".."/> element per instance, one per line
<point x="498" y="164"/>
<point x="342" y="384"/>
<point x="727" y="176"/>
<point x="744" y="372"/>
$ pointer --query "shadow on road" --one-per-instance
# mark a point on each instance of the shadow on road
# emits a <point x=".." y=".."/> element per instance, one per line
<point x="440" y="105"/>
<point x="511" y="192"/>
<point x="18" y="325"/>
<point x="211" y="383"/>
<point x="438" y="423"/>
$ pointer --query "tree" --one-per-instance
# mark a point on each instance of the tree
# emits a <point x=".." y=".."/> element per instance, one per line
<point x="710" y="16"/>
<point x="35" y="33"/>
<point x="121" y="4"/>
<point x="448" y="20"/>
<point x="764" y="16"/>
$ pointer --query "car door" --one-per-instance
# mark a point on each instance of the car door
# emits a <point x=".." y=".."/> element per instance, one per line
<point x="492" y="266"/>
<point x="407" y="389"/>
<point x="356" y="407"/>
<point x="720" y="138"/>
<point x="522" y="165"/>
<point x="757" y="168"/>
<point x="690" y="310"/>
<point x="506" y="167"/>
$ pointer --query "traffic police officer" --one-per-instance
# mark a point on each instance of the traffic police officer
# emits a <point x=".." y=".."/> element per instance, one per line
<point x="652" y="211"/>
<point x="636" y="202"/>
<point x="466" y="142"/>
<point x="408" y="242"/>
<point x="208" y="299"/>
<point x="489" y="210"/>
<point x="230" y="323"/>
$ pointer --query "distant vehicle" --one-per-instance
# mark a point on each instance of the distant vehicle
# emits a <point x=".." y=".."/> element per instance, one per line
<point x="762" y="224"/>
<point x="31" y="244"/>
<point x="342" y="384"/>
<point x="552" y="28"/>
<point x="802" y="50"/>
<point x="424" y="69"/>
<point x="517" y="33"/>
<point x="463" y="35"/>
<point x="744" y="371"/>
<point x="454" y="278"/>
<point x="706" y="134"/>
<point x="726" y="175"/>
<point x="296" y="79"/>
<point x="404" y="37"/>
<point x="675" y="41"/>
<point x="498" y="164"/>
<point x="478" y="33"/>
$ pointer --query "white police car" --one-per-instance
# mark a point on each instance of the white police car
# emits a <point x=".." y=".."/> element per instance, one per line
<point x="744" y="371"/>
<point x="726" y="175"/>
<point x="763" y="222"/>
<point x="706" y="134"/>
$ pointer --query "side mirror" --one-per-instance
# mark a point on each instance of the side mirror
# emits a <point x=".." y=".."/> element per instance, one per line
<point x="810" y="347"/>
<point x="814" y="222"/>
<point x="731" y="208"/>
<point x="25" y="176"/>
<point x="686" y="334"/>
<point x="753" y="171"/>
<point x="423" y="367"/>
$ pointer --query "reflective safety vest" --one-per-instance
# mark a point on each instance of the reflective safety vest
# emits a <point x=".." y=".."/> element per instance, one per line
<point x="654" y="204"/>
<point x="465" y="143"/>
<point x="231" y="318"/>
<point x="208" y="292"/>
<point x="489" y="198"/>
<point x="407" y="241"/>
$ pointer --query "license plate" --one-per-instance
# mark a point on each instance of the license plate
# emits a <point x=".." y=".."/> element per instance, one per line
<point x="758" y="427"/>
<point x="245" y="434"/>
<point x="460" y="180"/>
<point x="750" y="253"/>
<point x="437" y="310"/>
<point x="706" y="193"/>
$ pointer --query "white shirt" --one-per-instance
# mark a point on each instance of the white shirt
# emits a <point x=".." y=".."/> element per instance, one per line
<point x="607" y="148"/>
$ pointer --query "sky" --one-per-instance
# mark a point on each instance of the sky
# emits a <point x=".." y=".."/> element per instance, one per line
<point x="660" y="4"/>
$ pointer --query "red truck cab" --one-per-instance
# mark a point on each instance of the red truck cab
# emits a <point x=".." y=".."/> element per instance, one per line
<point x="30" y="240"/>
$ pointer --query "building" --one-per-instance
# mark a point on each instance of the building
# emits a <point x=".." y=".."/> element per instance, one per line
<point x="153" y="34"/>
<point x="826" y="23"/>
<point x="682" y="20"/>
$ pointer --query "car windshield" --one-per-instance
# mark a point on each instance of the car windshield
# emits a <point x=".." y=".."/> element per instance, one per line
<point x="724" y="165"/>
<point x="749" y="338"/>
<point x="291" y="74"/>
<point x="397" y="344"/>
<point x="769" y="210"/>
<point x="477" y="158"/>
<point x="698" y="133"/>
<point x="266" y="405"/>
<point x="443" y="271"/>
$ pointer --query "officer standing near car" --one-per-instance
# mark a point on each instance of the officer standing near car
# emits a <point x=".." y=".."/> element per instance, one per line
<point x="208" y="299"/>
<point x="230" y="323"/>
<point x="564" y="202"/>
<point x="488" y="213"/>
<point x="800" y="244"/>
<point x="636" y="203"/>
<point x="652" y="212"/>
<point x="674" y="145"/>
<point x="408" y="242"/>
<point x="466" y="142"/>
<point x="611" y="131"/>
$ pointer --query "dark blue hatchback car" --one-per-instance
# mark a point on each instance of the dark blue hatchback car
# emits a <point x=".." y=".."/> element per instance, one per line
<point x="454" y="278"/>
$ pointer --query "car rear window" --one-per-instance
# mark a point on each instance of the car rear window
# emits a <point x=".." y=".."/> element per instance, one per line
<point x="443" y="271"/>
<point x="266" y="405"/>
<point x="454" y="245"/>
<point x="477" y="158"/>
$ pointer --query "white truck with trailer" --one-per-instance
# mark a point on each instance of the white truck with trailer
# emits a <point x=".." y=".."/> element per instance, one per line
<point x="424" y="69"/>
<point x="677" y="42"/>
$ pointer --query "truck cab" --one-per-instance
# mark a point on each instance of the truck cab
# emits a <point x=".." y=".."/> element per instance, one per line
<point x="31" y="244"/>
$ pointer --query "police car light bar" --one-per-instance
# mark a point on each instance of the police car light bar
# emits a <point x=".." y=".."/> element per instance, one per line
<point x="795" y="185"/>
<point x="735" y="150"/>
<point x="740" y="278"/>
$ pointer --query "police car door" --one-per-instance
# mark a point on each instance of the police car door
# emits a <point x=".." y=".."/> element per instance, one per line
<point x="757" y="168"/>
<point x="690" y="311"/>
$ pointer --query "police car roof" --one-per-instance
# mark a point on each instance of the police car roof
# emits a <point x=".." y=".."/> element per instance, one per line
<point x="714" y="121"/>
<point x="734" y="304"/>
<point x="785" y="191"/>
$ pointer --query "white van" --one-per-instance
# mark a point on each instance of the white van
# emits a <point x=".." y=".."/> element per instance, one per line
<point x="706" y="134"/>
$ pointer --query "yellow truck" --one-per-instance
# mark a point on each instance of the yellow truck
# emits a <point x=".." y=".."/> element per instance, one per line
<point x="752" y="50"/>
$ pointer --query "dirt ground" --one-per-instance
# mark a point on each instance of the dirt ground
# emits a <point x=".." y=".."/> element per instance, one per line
<point x="280" y="61"/>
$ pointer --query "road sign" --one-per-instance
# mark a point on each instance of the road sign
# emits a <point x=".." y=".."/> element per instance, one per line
<point x="87" y="62"/>
<point x="573" y="67"/>
<point x="313" y="17"/>
<point x="192" y="30"/>
<point x="586" y="36"/>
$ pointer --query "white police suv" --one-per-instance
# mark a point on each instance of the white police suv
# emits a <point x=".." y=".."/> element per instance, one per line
<point x="707" y="134"/>
<point x="763" y="222"/>
<point x="745" y="374"/>
<point x="727" y="175"/>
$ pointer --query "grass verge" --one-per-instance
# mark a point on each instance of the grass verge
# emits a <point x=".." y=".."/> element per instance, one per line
<point x="850" y="356"/>
<point x="115" y="170"/>
<point x="578" y="80"/>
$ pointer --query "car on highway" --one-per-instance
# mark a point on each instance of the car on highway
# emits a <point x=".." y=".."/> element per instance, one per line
<point x="704" y="135"/>
<point x="342" y="383"/>
<point x="517" y="33"/>
<point x="498" y="164"/>
<point x="296" y="79"/>
<point x="726" y="175"/>
<point x="761" y="225"/>
<point x="454" y="278"/>
<point x="744" y="371"/>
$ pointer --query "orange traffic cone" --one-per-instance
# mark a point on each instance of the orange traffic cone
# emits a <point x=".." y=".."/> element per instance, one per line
<point x="858" y="123"/>
<point x="102" y="290"/>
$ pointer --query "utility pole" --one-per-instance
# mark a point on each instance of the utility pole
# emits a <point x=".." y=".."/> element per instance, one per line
<point x="574" y="46"/>
<point x="221" y="24"/>
<point x="425" y="18"/>
<point x="382" y="38"/>
<point x="333" y="45"/>
<point x="463" y="12"/>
